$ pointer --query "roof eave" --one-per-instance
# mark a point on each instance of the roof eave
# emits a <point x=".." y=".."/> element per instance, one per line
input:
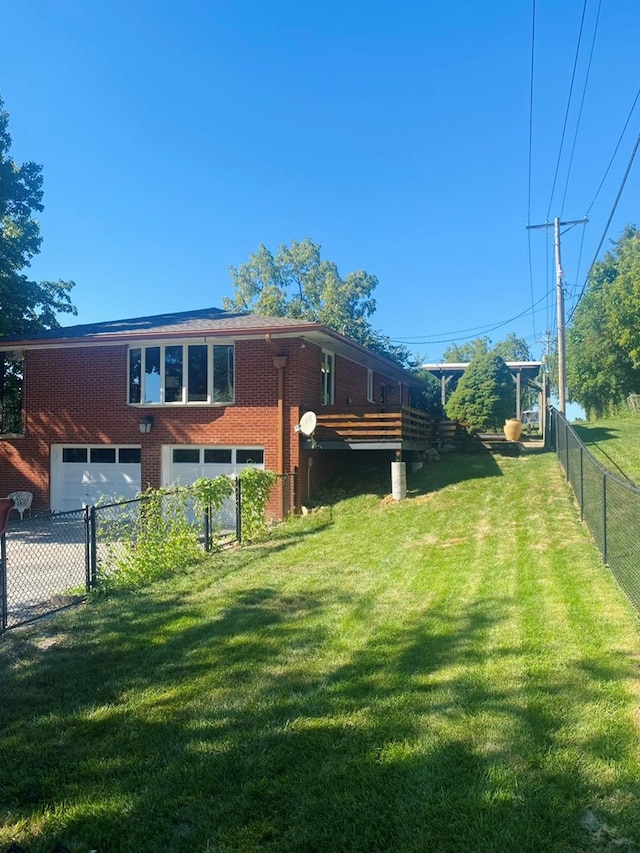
<point x="313" y="332"/>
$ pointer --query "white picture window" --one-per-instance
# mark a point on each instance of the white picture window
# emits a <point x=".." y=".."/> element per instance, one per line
<point x="181" y="374"/>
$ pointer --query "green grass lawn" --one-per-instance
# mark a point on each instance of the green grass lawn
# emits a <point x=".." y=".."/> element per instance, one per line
<point x="454" y="672"/>
<point x="615" y="443"/>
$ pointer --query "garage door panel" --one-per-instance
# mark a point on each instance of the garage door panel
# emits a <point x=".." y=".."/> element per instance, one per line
<point x="212" y="462"/>
<point x="77" y="482"/>
<point x="184" y="473"/>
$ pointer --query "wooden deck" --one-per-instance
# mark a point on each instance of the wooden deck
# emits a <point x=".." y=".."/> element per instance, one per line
<point x="403" y="429"/>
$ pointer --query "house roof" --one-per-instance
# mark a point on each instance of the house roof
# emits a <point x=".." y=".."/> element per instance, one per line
<point x="209" y="322"/>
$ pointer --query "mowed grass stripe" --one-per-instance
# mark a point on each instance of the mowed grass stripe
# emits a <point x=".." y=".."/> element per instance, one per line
<point x="452" y="672"/>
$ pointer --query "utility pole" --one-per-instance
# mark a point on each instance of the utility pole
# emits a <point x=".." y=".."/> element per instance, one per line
<point x="562" y="381"/>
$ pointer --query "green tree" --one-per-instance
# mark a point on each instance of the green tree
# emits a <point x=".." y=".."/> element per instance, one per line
<point x="467" y="352"/>
<point x="623" y="304"/>
<point x="511" y="348"/>
<point x="485" y="396"/>
<point x="26" y="306"/>
<point x="296" y="282"/>
<point x="603" y="340"/>
<point x="429" y="397"/>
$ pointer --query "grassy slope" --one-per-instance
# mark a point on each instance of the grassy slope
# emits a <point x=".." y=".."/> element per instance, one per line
<point x="615" y="443"/>
<point x="456" y="672"/>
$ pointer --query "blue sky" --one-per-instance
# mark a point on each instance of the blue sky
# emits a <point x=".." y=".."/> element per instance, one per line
<point x="177" y="137"/>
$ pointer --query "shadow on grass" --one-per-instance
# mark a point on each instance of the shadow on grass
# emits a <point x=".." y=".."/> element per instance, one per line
<point x="452" y="468"/>
<point x="592" y="438"/>
<point x="375" y="478"/>
<point x="594" y="435"/>
<point x="167" y="728"/>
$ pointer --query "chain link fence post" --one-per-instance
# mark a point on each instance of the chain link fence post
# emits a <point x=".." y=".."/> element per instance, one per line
<point x="3" y="584"/>
<point x="238" y="510"/>
<point x="604" y="518"/>
<point x="92" y="547"/>
<point x="207" y="528"/>
<point x="581" y="484"/>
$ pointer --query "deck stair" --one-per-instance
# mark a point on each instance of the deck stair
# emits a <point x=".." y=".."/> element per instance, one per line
<point x="450" y="432"/>
<point x="496" y="442"/>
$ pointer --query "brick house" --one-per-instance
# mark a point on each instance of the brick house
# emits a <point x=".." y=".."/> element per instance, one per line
<point x="110" y="408"/>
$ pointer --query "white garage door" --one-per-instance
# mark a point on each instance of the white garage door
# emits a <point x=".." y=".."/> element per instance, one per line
<point x="185" y="464"/>
<point x="84" y="475"/>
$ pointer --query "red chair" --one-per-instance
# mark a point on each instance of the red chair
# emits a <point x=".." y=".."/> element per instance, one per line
<point x="6" y="505"/>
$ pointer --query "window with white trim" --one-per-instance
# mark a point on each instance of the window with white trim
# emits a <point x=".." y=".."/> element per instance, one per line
<point x="181" y="374"/>
<point x="102" y="455"/>
<point x="236" y="457"/>
<point x="371" y="397"/>
<point x="327" y="391"/>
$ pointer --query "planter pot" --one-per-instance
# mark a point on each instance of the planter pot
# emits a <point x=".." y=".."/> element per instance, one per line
<point x="513" y="429"/>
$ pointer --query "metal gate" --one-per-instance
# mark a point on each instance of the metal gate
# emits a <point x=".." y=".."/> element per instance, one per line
<point x="52" y="561"/>
<point x="44" y="566"/>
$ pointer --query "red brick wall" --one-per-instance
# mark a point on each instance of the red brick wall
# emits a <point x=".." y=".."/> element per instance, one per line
<point x="80" y="396"/>
<point x="350" y="384"/>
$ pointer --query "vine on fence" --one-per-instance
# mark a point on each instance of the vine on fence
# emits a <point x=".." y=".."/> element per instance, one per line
<point x="213" y="492"/>
<point x="256" y="487"/>
<point x="150" y="543"/>
<point x="159" y="535"/>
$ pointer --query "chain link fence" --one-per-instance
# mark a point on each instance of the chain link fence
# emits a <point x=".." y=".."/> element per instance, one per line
<point x="609" y="506"/>
<point x="44" y="566"/>
<point x="53" y="560"/>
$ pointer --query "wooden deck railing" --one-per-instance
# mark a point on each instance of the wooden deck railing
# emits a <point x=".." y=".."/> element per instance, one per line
<point x="405" y="424"/>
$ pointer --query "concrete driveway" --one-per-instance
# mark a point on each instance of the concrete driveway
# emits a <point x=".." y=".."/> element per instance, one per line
<point x="46" y="565"/>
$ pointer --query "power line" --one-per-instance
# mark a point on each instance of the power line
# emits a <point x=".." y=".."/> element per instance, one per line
<point x="615" y="150"/>
<point x="606" y="228"/>
<point x="548" y="268"/>
<point x="533" y="42"/>
<point x="478" y="330"/>
<point x="584" y="92"/>
<point x="475" y="329"/>
<point x="584" y="231"/>
<point x="531" y="282"/>
<point x="566" y="115"/>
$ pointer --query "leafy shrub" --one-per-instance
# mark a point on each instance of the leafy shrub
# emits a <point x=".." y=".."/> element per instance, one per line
<point x="256" y="487"/>
<point x="211" y="495"/>
<point x="213" y="492"/>
<point x="151" y="543"/>
<point x="485" y="396"/>
<point x="152" y="537"/>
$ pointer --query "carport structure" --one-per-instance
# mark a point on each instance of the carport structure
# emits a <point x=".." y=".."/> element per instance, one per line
<point x="525" y="374"/>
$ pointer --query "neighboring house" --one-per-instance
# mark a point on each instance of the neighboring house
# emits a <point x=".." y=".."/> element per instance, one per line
<point x="108" y="409"/>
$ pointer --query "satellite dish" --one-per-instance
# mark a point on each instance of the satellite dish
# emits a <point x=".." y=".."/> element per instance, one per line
<point x="308" y="423"/>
